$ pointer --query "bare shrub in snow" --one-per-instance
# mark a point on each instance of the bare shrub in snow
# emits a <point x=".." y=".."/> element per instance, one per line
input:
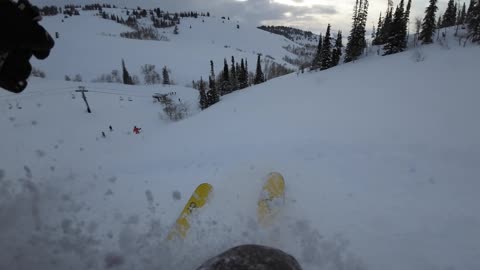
<point x="36" y="72"/>
<point x="163" y="38"/>
<point x="113" y="77"/>
<point x="151" y="76"/>
<point x="78" y="78"/>
<point x="174" y="111"/>
<point x="146" y="33"/>
<point x="135" y="80"/>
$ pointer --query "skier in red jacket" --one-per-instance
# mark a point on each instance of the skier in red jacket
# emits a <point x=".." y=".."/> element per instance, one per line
<point x="136" y="130"/>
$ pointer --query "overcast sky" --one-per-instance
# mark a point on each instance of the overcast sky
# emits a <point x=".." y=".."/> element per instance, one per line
<point x="311" y="15"/>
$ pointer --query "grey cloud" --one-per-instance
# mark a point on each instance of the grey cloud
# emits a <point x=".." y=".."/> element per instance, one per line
<point x="251" y="11"/>
<point x="324" y="10"/>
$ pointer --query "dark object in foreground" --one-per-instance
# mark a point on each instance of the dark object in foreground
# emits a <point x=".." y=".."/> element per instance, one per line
<point x="22" y="38"/>
<point x="252" y="257"/>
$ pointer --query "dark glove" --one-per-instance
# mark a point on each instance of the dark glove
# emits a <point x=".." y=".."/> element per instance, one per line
<point x="22" y="37"/>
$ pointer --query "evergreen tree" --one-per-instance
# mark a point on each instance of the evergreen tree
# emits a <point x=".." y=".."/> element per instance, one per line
<point x="225" y="80"/>
<point x="242" y="76"/>
<point x="406" y="21"/>
<point x="203" y="95"/>
<point x="337" y="51"/>
<point x="439" y="22"/>
<point x="396" y="41"/>
<point x="247" y="77"/>
<point x="387" y="26"/>
<point x="458" y="15"/>
<point x="449" y="18"/>
<point x="463" y="15"/>
<point x="233" y="76"/>
<point x="211" y="78"/>
<point x="326" y="53"/>
<point x="127" y="79"/>
<point x="237" y="72"/>
<point x="428" y="25"/>
<point x="166" y="77"/>
<point x="259" y="77"/>
<point x="316" y="63"/>
<point x="378" y="34"/>
<point x="356" y="40"/>
<point x="470" y="11"/>
<point x="212" y="95"/>
<point x="407" y="12"/>
<point x="474" y="23"/>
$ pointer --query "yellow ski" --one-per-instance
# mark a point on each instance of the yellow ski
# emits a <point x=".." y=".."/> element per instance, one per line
<point x="272" y="198"/>
<point x="198" y="199"/>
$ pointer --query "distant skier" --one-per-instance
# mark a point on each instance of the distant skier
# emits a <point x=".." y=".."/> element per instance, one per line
<point x="136" y="130"/>
<point x="111" y="129"/>
<point x="103" y="135"/>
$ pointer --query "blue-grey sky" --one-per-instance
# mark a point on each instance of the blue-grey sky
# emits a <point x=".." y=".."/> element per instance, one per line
<point x="311" y="15"/>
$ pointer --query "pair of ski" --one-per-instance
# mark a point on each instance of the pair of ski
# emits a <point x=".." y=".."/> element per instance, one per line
<point x="270" y="202"/>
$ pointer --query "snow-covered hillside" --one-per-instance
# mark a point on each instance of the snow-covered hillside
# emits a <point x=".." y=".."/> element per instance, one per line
<point x="91" y="46"/>
<point x="381" y="173"/>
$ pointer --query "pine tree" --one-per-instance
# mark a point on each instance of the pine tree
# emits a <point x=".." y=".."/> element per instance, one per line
<point x="318" y="59"/>
<point x="356" y="40"/>
<point x="378" y="34"/>
<point x="211" y="78"/>
<point x="352" y="41"/>
<point x="428" y="25"/>
<point x="459" y="14"/>
<point x="326" y="53"/>
<point x="439" y="22"/>
<point x="337" y="51"/>
<point x="212" y="94"/>
<point x="225" y="79"/>
<point x="259" y="77"/>
<point x="237" y="72"/>
<point x="406" y="21"/>
<point x="463" y="15"/>
<point x="203" y="95"/>
<point x="470" y="11"/>
<point x="387" y="26"/>
<point x="474" y="23"/>
<point x="212" y="97"/>
<point x="247" y="77"/>
<point x="242" y="76"/>
<point x="407" y="12"/>
<point x="233" y="76"/>
<point x="449" y="18"/>
<point x="396" y="40"/>
<point x="166" y="77"/>
<point x="127" y="79"/>
<point x="457" y="11"/>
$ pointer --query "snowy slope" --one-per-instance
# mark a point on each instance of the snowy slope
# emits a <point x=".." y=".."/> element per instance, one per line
<point x="91" y="46"/>
<point x="381" y="173"/>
